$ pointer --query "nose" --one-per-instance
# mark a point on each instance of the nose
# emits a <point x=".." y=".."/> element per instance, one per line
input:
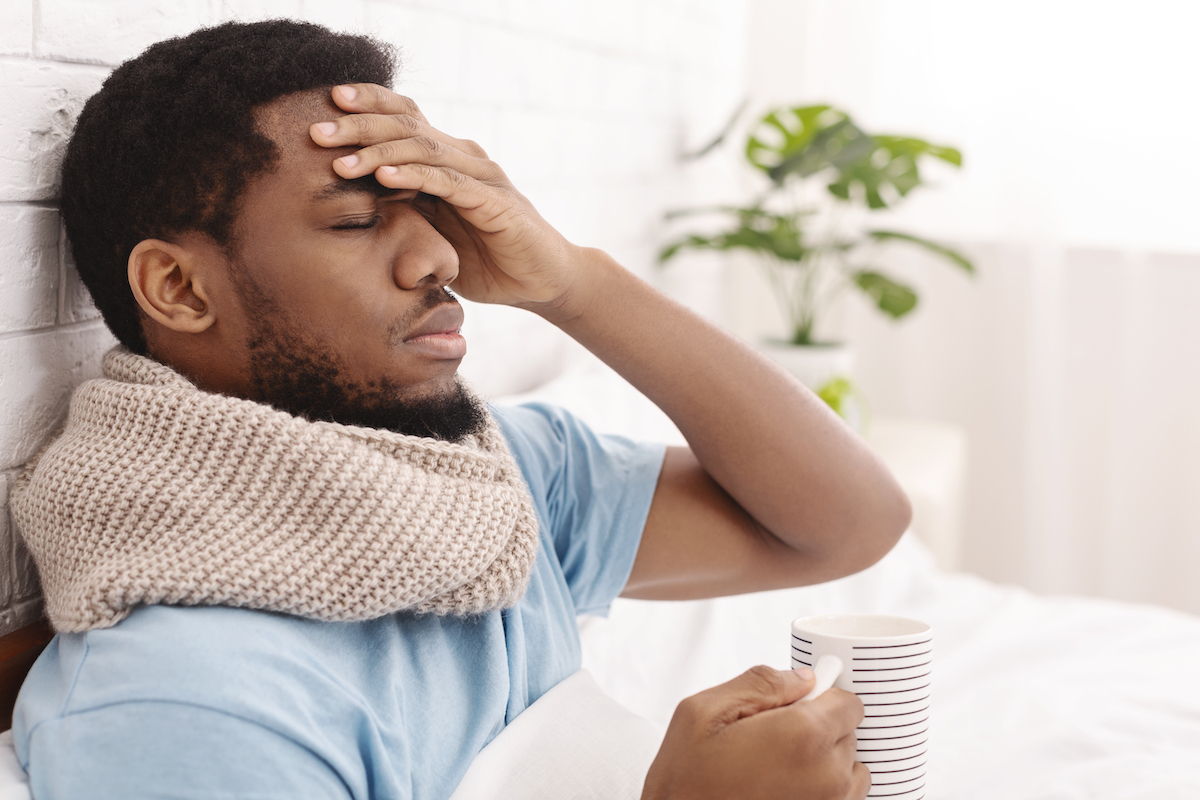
<point x="423" y="257"/>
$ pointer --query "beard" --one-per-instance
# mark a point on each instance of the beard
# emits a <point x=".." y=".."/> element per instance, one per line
<point x="303" y="376"/>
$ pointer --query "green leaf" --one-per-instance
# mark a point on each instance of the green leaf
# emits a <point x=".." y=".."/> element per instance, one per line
<point x="802" y="140"/>
<point x="836" y="394"/>
<point x="778" y="235"/>
<point x="933" y="247"/>
<point x="838" y="146"/>
<point x="892" y="167"/>
<point x="892" y="298"/>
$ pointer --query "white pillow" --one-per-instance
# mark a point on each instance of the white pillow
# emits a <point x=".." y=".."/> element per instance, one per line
<point x="574" y="742"/>
<point x="14" y="783"/>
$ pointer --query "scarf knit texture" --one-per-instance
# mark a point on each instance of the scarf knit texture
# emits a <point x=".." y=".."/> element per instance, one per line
<point x="156" y="492"/>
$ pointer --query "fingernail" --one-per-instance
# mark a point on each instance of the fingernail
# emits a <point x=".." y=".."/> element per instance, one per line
<point x="348" y="92"/>
<point x="806" y="673"/>
<point x="388" y="170"/>
<point x="349" y="161"/>
<point x="327" y="128"/>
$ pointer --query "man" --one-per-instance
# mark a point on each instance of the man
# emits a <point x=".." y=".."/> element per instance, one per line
<point x="289" y="554"/>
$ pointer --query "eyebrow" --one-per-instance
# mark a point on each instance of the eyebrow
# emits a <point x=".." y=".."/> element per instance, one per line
<point x="366" y="185"/>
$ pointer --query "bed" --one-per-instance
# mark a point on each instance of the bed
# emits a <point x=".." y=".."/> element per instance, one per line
<point x="1034" y="697"/>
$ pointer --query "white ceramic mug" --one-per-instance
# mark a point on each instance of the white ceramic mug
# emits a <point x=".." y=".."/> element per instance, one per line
<point x="888" y="662"/>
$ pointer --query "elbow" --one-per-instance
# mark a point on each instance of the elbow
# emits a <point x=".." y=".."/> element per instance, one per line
<point x="895" y="521"/>
<point x="889" y="519"/>
<point x="874" y="525"/>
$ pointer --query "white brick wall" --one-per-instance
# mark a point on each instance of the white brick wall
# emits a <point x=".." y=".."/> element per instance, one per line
<point x="585" y="105"/>
<point x="30" y="281"/>
<point x="6" y="539"/>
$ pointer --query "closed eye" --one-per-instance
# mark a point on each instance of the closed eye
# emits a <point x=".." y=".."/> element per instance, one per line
<point x="360" y="224"/>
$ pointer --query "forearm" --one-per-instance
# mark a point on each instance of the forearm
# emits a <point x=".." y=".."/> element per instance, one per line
<point x="770" y="443"/>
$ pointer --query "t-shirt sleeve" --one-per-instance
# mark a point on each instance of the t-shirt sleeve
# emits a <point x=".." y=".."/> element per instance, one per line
<point x="594" y="492"/>
<point x="128" y="751"/>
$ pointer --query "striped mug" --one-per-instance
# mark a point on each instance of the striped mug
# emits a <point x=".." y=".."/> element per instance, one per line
<point x="888" y="662"/>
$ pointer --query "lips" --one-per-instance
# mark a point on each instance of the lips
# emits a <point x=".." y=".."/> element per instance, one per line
<point x="446" y="319"/>
<point x="437" y="336"/>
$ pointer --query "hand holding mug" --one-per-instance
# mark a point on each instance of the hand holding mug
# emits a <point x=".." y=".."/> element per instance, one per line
<point x="750" y="739"/>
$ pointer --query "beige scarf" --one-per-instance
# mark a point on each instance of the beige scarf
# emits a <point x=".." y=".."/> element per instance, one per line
<point x="159" y="493"/>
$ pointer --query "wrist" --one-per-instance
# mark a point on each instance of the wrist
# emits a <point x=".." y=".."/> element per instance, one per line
<point x="589" y="268"/>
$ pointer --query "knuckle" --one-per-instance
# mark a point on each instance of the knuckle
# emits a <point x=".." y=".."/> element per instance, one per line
<point x="472" y="148"/>
<point x="387" y="152"/>
<point x="426" y="171"/>
<point x="432" y="146"/>
<point x="493" y="173"/>
<point x="851" y="702"/>
<point x="363" y="124"/>
<point x="690" y="710"/>
<point x="860" y="781"/>
<point x="764" y="679"/>
<point x="409" y="125"/>
<point x="409" y="105"/>
<point x="856" y="705"/>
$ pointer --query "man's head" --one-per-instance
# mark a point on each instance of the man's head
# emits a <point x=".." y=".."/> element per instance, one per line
<point x="214" y="235"/>
<point x="171" y="142"/>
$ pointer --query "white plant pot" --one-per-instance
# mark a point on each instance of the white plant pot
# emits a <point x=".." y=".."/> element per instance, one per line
<point x="814" y="365"/>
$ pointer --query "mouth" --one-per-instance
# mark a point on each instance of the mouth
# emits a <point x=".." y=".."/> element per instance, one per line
<point x="438" y="335"/>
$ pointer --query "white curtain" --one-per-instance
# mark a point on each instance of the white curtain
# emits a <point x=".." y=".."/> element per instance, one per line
<point x="1070" y="358"/>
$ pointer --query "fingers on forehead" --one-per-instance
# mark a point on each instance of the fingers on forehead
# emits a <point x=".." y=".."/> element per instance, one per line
<point x="371" y="128"/>
<point x="448" y="184"/>
<point x="380" y="99"/>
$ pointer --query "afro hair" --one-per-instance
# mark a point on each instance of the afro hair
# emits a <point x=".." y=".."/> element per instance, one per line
<point x="169" y="143"/>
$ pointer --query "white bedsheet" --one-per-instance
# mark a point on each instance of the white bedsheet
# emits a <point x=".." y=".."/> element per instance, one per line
<point x="575" y="742"/>
<point x="14" y="783"/>
<point x="1034" y="697"/>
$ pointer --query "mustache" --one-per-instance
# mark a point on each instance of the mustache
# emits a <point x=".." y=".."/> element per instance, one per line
<point x="433" y="297"/>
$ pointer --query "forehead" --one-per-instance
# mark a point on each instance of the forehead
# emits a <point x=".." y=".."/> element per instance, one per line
<point x="286" y="119"/>
<point x="302" y="165"/>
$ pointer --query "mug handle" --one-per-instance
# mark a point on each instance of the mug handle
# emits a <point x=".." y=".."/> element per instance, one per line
<point x="827" y="670"/>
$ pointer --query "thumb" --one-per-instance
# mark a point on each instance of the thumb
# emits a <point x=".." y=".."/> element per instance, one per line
<point x="760" y="689"/>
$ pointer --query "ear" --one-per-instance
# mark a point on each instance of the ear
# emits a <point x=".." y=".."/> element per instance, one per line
<point x="168" y="282"/>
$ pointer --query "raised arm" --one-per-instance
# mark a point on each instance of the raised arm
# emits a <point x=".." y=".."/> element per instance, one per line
<point x="774" y="489"/>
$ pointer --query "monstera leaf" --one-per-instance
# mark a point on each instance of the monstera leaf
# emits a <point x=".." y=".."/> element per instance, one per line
<point x="891" y="168"/>
<point x="804" y="140"/>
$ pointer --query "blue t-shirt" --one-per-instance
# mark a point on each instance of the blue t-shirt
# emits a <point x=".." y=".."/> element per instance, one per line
<point x="218" y="702"/>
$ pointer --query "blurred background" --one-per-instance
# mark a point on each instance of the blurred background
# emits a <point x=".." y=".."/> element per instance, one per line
<point x="1063" y="363"/>
<point x="1068" y="359"/>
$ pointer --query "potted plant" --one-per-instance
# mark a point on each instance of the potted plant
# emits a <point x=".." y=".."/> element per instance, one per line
<point x="808" y="228"/>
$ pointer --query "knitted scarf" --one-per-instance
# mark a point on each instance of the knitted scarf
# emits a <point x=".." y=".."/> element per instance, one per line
<point x="156" y="492"/>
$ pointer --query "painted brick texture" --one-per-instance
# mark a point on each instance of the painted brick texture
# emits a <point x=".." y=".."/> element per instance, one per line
<point x="587" y="106"/>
